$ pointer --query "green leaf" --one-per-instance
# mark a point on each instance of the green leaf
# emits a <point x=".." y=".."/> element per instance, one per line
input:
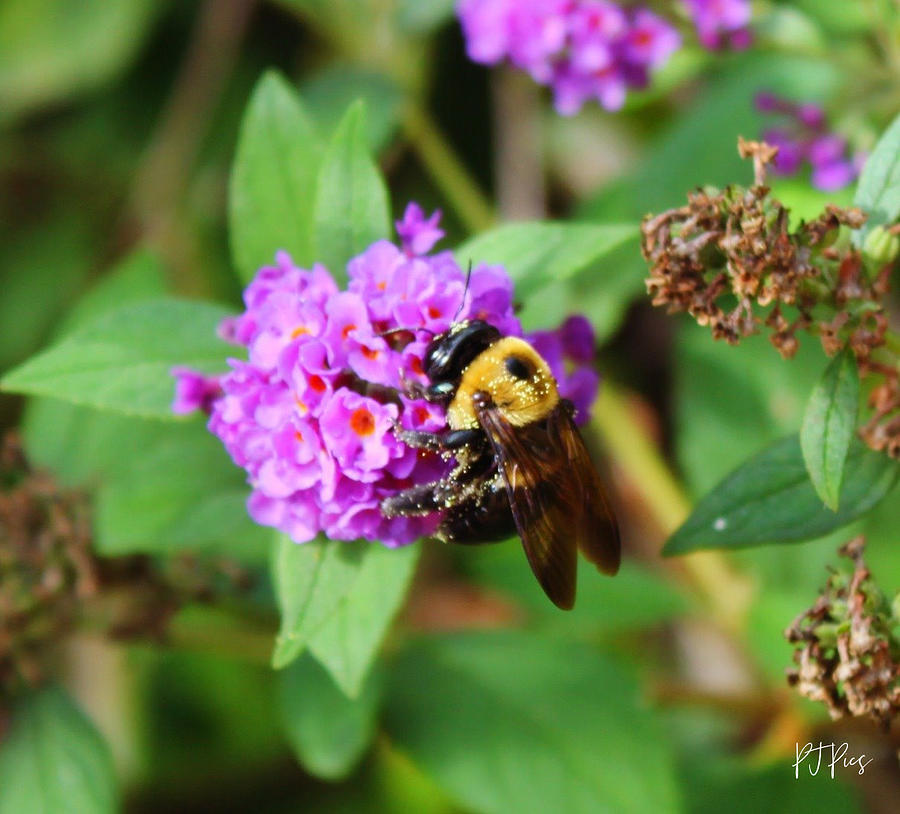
<point x="348" y="642"/>
<point x="329" y="92"/>
<point x="180" y="491"/>
<point x="328" y="731"/>
<point x="80" y="444"/>
<point x="837" y="18"/>
<point x="50" y="49"/>
<point x="637" y="598"/>
<point x="273" y="179"/>
<point x="122" y="361"/>
<point x="42" y="268"/>
<point x="720" y="783"/>
<point x="770" y="499"/>
<point x="338" y="599"/>
<point x="563" y="267"/>
<point x="216" y="522"/>
<point x="699" y="146"/>
<point x="310" y="580"/>
<point x="53" y="759"/>
<point x="511" y="721"/>
<point x="423" y="16"/>
<point x="878" y="190"/>
<point x="732" y="400"/>
<point x="351" y="207"/>
<point x="828" y="426"/>
<point x="139" y="276"/>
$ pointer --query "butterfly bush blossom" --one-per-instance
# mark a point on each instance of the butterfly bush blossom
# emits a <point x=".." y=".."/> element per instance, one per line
<point x="310" y="415"/>
<point x="591" y="49"/>
<point x="805" y="137"/>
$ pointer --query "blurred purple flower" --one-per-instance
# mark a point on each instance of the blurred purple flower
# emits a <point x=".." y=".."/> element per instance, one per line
<point x="417" y="234"/>
<point x="194" y="391"/>
<point x="310" y="416"/>
<point x="569" y="350"/>
<point x="583" y="49"/>
<point x="806" y="138"/>
<point x="721" y="23"/>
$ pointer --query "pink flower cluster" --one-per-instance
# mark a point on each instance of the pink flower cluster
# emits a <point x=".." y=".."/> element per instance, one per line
<point x="310" y="414"/>
<point x="805" y="137"/>
<point x="583" y="49"/>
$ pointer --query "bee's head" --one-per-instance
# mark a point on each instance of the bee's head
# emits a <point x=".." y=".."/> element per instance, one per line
<point x="450" y="353"/>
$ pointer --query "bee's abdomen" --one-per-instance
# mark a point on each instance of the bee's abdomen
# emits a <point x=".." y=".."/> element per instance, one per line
<point x="484" y="518"/>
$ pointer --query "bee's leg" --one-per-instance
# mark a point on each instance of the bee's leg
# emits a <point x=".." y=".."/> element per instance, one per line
<point x="415" y="501"/>
<point x="425" y="498"/>
<point x="437" y="441"/>
<point x="410" y="388"/>
<point x="439" y="393"/>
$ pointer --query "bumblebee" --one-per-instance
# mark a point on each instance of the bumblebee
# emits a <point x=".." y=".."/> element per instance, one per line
<point x="521" y="464"/>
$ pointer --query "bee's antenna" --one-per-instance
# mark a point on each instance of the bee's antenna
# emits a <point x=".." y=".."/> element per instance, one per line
<point x="462" y="302"/>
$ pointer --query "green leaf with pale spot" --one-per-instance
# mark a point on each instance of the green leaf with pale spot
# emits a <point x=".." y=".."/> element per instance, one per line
<point x="53" y="760"/>
<point x="770" y="499"/>
<point x="122" y="362"/>
<point x="828" y="426"/>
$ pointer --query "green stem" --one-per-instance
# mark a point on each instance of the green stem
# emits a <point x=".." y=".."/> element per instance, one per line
<point x="640" y="461"/>
<point x="437" y="156"/>
<point x="892" y="342"/>
<point x="223" y="632"/>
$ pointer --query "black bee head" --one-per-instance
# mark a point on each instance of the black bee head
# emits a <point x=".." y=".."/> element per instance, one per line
<point x="449" y="353"/>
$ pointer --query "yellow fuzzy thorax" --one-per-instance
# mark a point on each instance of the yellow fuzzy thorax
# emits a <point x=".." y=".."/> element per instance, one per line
<point x="519" y="401"/>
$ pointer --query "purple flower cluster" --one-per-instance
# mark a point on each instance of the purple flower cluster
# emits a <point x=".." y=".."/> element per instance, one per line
<point x="583" y="49"/>
<point x="806" y="138"/>
<point x="721" y="23"/>
<point x="310" y="414"/>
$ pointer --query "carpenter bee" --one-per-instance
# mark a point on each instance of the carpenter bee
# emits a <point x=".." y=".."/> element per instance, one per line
<point x="521" y="464"/>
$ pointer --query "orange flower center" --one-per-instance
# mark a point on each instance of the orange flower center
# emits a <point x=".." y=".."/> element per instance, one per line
<point x="317" y="383"/>
<point x="300" y="330"/>
<point x="369" y="353"/>
<point x="433" y="312"/>
<point x="362" y="422"/>
<point x="347" y="328"/>
<point x="416" y="365"/>
<point x="299" y="436"/>
<point x="420" y="414"/>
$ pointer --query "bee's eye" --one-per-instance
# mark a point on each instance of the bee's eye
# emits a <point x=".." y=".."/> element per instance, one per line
<point x="518" y="367"/>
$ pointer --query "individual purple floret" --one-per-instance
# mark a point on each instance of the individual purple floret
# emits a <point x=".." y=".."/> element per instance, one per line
<point x="194" y="391"/>
<point x="310" y="415"/>
<point x="583" y="49"/>
<point x="806" y="139"/>
<point x="721" y="23"/>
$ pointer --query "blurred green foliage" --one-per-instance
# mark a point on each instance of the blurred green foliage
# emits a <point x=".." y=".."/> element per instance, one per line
<point x="152" y="157"/>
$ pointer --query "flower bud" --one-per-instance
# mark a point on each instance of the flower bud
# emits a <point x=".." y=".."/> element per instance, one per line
<point x="881" y="246"/>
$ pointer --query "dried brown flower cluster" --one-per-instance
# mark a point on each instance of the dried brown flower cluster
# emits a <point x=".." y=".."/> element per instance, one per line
<point x="50" y="580"/>
<point x="729" y="253"/>
<point x="46" y="568"/>
<point x="848" y="655"/>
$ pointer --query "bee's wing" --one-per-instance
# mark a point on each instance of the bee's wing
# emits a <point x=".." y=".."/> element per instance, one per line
<point x="596" y="529"/>
<point x="556" y="498"/>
